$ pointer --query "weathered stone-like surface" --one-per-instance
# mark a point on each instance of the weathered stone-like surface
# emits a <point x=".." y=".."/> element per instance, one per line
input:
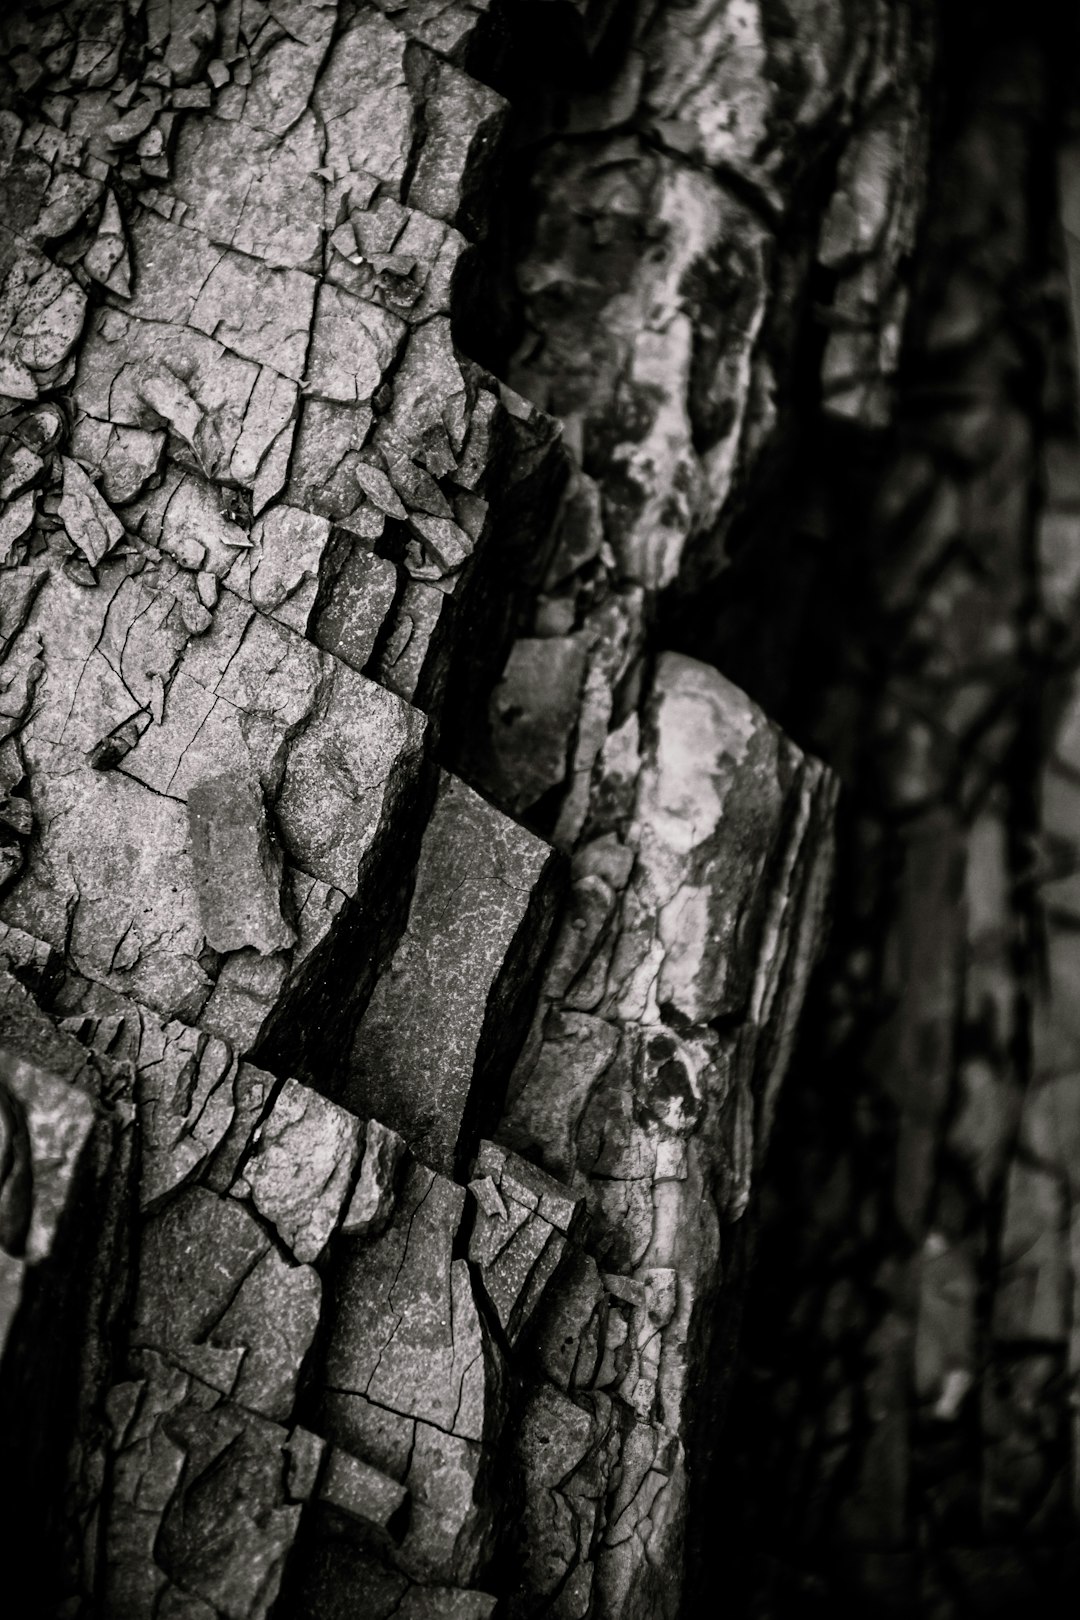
<point x="478" y="925"/>
<point x="114" y="742"/>
<point x="205" y="1266"/>
<point x="412" y="1387"/>
<point x="264" y="528"/>
<point x="201" y="1504"/>
<point x="271" y="437"/>
<point x="413" y="1381"/>
<point x="302" y="1167"/>
<point x="207" y="1466"/>
<point x="232" y="238"/>
<point x="237" y="872"/>
<point x="372" y="1201"/>
<point x="361" y="1492"/>
<point x="345" y="1578"/>
<point x="47" y="1126"/>
<point x="656" y="331"/>
<point x="65" y="1168"/>
<point x="522" y="1222"/>
<point x="250" y="488"/>
<point x="631" y="1087"/>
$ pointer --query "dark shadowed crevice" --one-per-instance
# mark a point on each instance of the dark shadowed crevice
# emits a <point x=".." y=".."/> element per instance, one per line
<point x="877" y="1391"/>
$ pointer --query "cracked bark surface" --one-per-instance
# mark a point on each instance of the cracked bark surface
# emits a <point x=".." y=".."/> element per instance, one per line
<point x="406" y="915"/>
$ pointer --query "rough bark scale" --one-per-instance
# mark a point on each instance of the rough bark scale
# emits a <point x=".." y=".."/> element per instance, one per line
<point x="406" y="923"/>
